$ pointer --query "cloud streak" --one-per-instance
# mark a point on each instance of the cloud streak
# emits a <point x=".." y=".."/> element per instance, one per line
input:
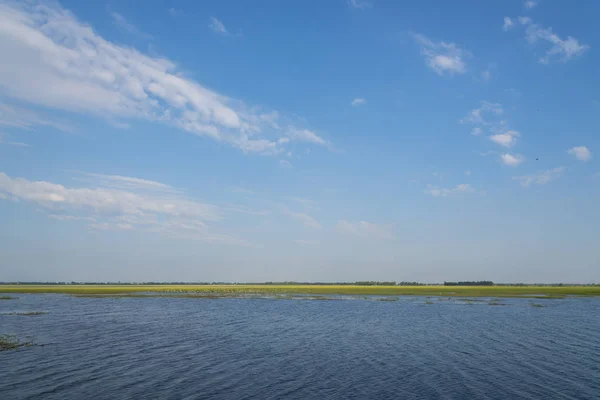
<point x="118" y="209"/>
<point x="365" y="229"/>
<point x="122" y="22"/>
<point x="217" y="26"/>
<point x="562" y="50"/>
<point x="436" y="191"/>
<point x="78" y="71"/>
<point x="540" y="178"/>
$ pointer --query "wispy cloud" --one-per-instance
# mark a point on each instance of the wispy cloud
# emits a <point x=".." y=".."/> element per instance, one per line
<point x="529" y="4"/>
<point x="512" y="160"/>
<point x="540" y="178"/>
<point x="306" y="219"/>
<point x="128" y="183"/>
<point x="485" y="116"/>
<point x="359" y="4"/>
<point x="486" y="75"/>
<point x="307" y="203"/>
<point x="62" y="217"/>
<point x="285" y="164"/>
<point x="561" y="49"/>
<point x="78" y="71"/>
<point x="365" y="229"/>
<point x="305" y="135"/>
<point x="122" y="23"/>
<point x="508" y="24"/>
<point x="489" y="117"/>
<point x="442" y="57"/>
<point x="358" y="101"/>
<point x="437" y="191"/>
<point x="581" y="153"/>
<point x="173" y="12"/>
<point x="112" y="208"/>
<point x="11" y="143"/>
<point x="217" y="26"/>
<point x="22" y="118"/>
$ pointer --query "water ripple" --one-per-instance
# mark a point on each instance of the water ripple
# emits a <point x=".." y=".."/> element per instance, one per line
<point x="174" y="348"/>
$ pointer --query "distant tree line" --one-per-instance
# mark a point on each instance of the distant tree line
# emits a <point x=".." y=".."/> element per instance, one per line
<point x="469" y="283"/>
<point x="415" y="284"/>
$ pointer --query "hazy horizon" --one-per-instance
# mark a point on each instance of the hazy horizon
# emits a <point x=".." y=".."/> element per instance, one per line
<point x="346" y="140"/>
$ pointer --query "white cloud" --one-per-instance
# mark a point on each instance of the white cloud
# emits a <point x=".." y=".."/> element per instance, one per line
<point x="486" y="75"/>
<point x="78" y="71"/>
<point x="507" y="139"/>
<point x="561" y="49"/>
<point x="164" y="212"/>
<point x="467" y="173"/>
<point x="529" y="4"/>
<point x="105" y="226"/>
<point x="9" y="143"/>
<point x="22" y="118"/>
<point x="307" y="203"/>
<point x="358" y="101"/>
<point x="512" y="160"/>
<point x="306" y="219"/>
<point x="524" y="20"/>
<point x="18" y="144"/>
<point x="436" y="191"/>
<point x="540" y="178"/>
<point x="487" y="115"/>
<point x="61" y="217"/>
<point x="365" y="229"/>
<point x="217" y="26"/>
<point x="104" y="200"/>
<point x="304" y="135"/>
<point x="508" y="23"/>
<point x="129" y="183"/>
<point x="476" y="115"/>
<point x="120" y="21"/>
<point x="359" y="4"/>
<point x="581" y="153"/>
<point x="285" y="164"/>
<point x="443" y="57"/>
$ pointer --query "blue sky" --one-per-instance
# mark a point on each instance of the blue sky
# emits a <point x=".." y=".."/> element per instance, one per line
<point x="334" y="140"/>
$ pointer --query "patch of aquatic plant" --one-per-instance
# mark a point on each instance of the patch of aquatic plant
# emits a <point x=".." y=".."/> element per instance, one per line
<point x="537" y="305"/>
<point x="11" y="342"/>
<point x="8" y="298"/>
<point x="429" y="302"/>
<point x="388" y="299"/>
<point x="496" y="302"/>
<point x="27" y="313"/>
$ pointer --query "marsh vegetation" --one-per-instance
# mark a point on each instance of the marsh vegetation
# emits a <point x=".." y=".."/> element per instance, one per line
<point x="235" y="290"/>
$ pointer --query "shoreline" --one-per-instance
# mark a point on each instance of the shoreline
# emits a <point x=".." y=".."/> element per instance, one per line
<point x="550" y="292"/>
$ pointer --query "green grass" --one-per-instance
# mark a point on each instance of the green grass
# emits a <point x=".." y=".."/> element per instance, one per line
<point x="10" y="342"/>
<point x="272" y="290"/>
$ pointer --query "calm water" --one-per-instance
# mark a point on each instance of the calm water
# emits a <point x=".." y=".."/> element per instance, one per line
<point x="157" y="348"/>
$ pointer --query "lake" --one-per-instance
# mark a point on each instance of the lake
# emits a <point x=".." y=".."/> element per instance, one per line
<point x="180" y="348"/>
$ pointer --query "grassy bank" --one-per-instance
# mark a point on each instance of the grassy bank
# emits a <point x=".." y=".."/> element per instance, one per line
<point x="240" y="290"/>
